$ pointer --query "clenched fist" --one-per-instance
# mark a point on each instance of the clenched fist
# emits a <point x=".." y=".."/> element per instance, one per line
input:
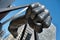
<point x="38" y="17"/>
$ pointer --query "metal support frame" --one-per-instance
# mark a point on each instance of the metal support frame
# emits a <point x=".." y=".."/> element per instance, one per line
<point x="35" y="34"/>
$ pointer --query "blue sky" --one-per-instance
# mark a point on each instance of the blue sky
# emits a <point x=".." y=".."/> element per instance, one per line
<point x="52" y="5"/>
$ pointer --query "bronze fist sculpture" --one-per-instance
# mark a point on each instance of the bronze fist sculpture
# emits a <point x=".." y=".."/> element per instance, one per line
<point x="36" y="16"/>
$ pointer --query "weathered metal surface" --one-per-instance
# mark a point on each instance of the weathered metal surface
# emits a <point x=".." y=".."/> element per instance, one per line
<point x="4" y="4"/>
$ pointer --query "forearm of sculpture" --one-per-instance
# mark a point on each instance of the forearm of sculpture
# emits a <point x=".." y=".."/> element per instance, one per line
<point x="15" y="24"/>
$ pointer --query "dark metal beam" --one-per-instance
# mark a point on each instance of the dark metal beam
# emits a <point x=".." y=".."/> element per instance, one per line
<point x="12" y="8"/>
